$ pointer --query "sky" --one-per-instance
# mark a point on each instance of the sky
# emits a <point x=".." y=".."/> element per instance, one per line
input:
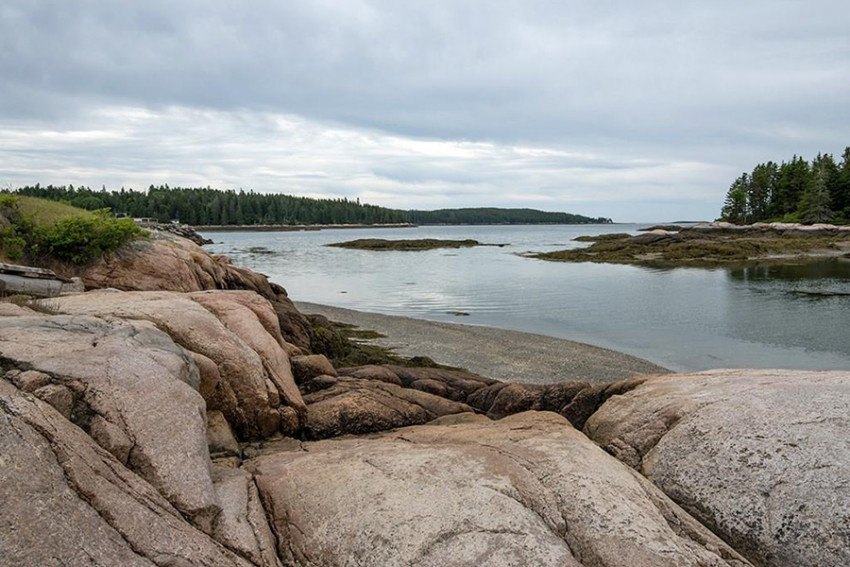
<point x="639" y="111"/>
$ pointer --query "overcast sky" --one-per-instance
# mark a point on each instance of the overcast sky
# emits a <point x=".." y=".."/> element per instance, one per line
<point x="640" y="111"/>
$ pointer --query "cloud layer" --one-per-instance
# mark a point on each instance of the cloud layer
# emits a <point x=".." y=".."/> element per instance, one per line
<point x="642" y="112"/>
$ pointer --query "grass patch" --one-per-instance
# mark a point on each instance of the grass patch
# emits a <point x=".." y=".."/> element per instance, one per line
<point x="43" y="213"/>
<point x="37" y="229"/>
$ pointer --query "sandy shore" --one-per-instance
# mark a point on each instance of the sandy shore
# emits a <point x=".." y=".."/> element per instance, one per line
<point x="496" y="353"/>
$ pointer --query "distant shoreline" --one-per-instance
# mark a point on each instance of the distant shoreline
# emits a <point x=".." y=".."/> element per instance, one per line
<point x="315" y="227"/>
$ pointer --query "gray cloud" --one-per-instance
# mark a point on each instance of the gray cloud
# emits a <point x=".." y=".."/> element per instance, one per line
<point x="642" y="108"/>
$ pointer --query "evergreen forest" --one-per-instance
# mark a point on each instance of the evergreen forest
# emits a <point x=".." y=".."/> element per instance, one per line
<point x="792" y="191"/>
<point x="206" y="206"/>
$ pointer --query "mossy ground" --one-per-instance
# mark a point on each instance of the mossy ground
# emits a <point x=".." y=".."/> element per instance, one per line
<point x="344" y="346"/>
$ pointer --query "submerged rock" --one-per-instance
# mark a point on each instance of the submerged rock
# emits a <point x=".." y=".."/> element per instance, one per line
<point x="760" y="456"/>
<point x="527" y="490"/>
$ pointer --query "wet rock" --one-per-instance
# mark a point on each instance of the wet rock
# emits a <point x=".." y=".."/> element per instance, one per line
<point x="759" y="456"/>
<point x="526" y="490"/>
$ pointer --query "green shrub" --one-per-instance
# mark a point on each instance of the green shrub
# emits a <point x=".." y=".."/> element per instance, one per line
<point x="7" y="200"/>
<point x="11" y="243"/>
<point x="80" y="239"/>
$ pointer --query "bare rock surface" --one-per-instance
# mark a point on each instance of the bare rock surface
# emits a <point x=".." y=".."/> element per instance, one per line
<point x="309" y="366"/>
<point x="225" y="332"/>
<point x="166" y="262"/>
<point x="242" y="525"/>
<point x="574" y="400"/>
<point x="760" y="456"/>
<point x="526" y="490"/>
<point x="66" y="501"/>
<point x="251" y="318"/>
<point x="354" y="406"/>
<point x="134" y="377"/>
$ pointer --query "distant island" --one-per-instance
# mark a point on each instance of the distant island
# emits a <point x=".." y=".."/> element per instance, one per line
<point x="408" y="245"/>
<point x="201" y="207"/>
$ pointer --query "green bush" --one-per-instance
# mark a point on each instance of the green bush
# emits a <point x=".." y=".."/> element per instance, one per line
<point x="12" y="244"/>
<point x="81" y="239"/>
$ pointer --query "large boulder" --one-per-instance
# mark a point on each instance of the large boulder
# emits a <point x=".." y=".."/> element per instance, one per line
<point x="244" y="367"/>
<point x="129" y="381"/>
<point x="762" y="457"/>
<point x="66" y="501"/>
<point x="165" y="262"/>
<point x="526" y="490"/>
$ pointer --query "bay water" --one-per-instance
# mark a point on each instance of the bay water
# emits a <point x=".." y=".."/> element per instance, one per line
<point x="792" y="316"/>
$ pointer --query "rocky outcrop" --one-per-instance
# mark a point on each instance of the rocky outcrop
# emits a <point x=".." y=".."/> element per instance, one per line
<point x="165" y="262"/>
<point x="526" y="490"/>
<point x="339" y="406"/>
<point x="497" y="399"/>
<point x="133" y="385"/>
<point x="245" y="370"/>
<point x="758" y="456"/>
<point x="66" y="501"/>
<point x="242" y="525"/>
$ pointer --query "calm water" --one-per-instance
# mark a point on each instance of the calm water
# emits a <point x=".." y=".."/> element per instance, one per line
<point x="684" y="318"/>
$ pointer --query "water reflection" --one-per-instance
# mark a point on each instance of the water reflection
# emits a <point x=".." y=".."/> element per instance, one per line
<point x="685" y="318"/>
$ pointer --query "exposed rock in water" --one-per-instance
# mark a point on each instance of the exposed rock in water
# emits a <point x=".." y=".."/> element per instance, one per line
<point x="759" y="456"/>
<point x="527" y="490"/>
<point x="710" y="244"/>
<point x="408" y="245"/>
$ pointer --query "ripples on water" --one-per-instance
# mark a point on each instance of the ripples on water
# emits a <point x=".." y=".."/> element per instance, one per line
<point x="684" y="318"/>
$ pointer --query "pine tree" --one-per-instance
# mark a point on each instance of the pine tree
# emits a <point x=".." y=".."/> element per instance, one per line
<point x="735" y="206"/>
<point x="815" y="202"/>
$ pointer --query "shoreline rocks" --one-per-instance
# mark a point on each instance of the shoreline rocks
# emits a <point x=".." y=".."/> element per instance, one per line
<point x="759" y="456"/>
<point x="122" y="412"/>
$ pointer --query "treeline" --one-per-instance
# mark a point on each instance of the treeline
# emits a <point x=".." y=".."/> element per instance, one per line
<point x="500" y="216"/>
<point x="205" y="206"/>
<point x="794" y="191"/>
